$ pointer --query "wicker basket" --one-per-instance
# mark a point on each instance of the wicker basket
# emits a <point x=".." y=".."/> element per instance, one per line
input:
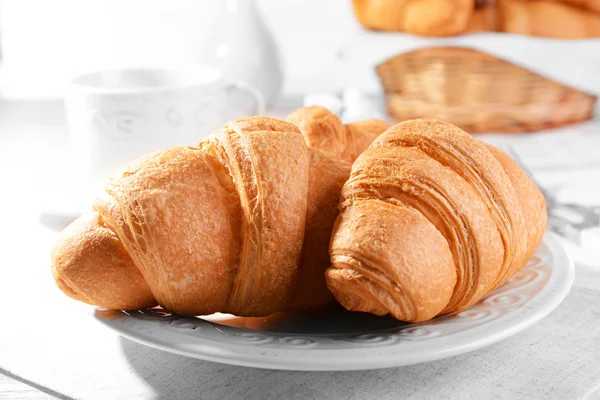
<point x="478" y="92"/>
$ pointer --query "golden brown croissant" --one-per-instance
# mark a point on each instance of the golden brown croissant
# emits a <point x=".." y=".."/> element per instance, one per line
<point x="236" y="225"/>
<point x="547" y="19"/>
<point x="592" y="5"/>
<point x="431" y="220"/>
<point x="324" y="131"/>
<point x="483" y="18"/>
<point x="420" y="17"/>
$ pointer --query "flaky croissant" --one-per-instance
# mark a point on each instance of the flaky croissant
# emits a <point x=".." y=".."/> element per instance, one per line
<point x="550" y="19"/>
<point x="419" y="17"/>
<point x="591" y="5"/>
<point x="240" y="224"/>
<point x="483" y="18"/>
<point x="431" y="220"/>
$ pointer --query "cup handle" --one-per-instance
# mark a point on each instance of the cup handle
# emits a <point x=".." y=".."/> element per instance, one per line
<point x="259" y="100"/>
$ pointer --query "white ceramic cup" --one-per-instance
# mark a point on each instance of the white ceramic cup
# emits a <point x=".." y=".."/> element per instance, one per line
<point x="118" y="115"/>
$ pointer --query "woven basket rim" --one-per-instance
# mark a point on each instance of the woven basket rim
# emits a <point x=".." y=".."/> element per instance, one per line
<point x="469" y="54"/>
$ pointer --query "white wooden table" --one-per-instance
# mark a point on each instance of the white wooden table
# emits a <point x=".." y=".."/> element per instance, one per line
<point x="48" y="348"/>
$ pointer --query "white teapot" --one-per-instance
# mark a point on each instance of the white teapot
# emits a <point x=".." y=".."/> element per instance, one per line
<point x="242" y="48"/>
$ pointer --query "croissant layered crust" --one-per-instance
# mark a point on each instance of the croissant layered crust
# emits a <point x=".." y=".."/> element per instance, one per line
<point x="273" y="194"/>
<point x="174" y="196"/>
<point x="333" y="147"/>
<point x="239" y="225"/>
<point x="324" y="131"/>
<point x="431" y="220"/>
<point x="327" y="175"/>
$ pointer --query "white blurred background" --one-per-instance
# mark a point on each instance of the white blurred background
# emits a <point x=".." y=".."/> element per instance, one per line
<point x="43" y="43"/>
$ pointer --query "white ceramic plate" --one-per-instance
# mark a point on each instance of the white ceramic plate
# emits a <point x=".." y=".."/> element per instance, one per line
<point x="341" y="340"/>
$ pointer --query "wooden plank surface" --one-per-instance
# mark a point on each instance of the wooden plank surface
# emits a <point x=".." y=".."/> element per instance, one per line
<point x="13" y="389"/>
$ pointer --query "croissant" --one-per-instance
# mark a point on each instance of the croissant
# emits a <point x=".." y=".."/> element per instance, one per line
<point x="591" y="5"/>
<point x="430" y="221"/>
<point x="419" y="17"/>
<point x="483" y="18"/>
<point x="333" y="147"/>
<point x="547" y="19"/>
<point x="236" y="225"/>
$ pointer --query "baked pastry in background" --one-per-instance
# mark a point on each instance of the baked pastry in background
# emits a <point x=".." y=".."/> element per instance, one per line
<point x="483" y="18"/>
<point x="591" y="5"/>
<point x="558" y="19"/>
<point x="419" y="17"/>
<point x="430" y="221"/>
<point x="240" y="224"/>
<point x="547" y="19"/>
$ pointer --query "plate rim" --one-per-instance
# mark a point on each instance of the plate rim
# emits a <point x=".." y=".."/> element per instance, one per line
<point x="238" y="354"/>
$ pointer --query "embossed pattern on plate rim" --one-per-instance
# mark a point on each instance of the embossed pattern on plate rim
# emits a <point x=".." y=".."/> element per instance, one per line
<point x="440" y="338"/>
